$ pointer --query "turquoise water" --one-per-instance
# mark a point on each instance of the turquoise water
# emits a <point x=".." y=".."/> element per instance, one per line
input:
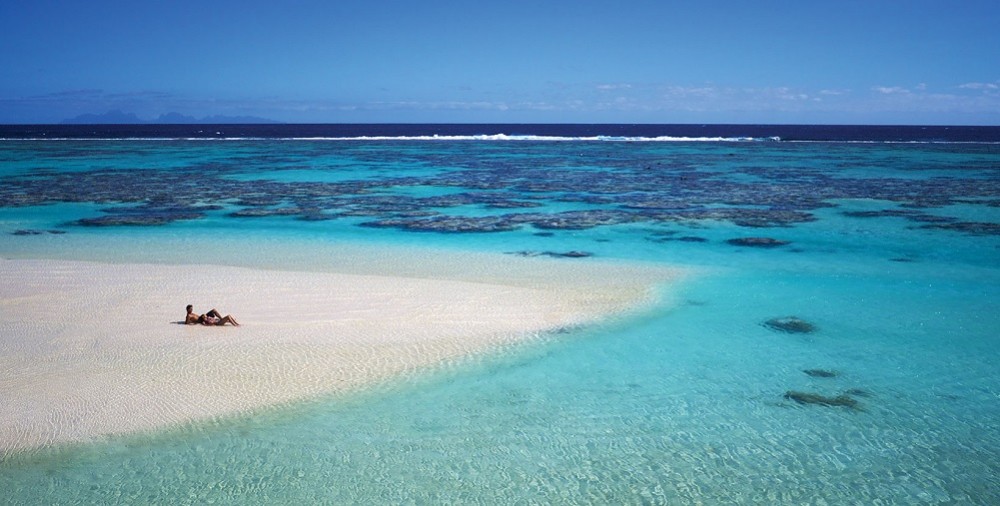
<point x="681" y="403"/>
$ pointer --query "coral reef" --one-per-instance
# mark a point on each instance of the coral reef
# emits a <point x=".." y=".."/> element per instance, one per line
<point x="790" y="325"/>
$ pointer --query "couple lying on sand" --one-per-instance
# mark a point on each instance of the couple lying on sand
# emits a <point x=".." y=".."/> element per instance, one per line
<point x="210" y="318"/>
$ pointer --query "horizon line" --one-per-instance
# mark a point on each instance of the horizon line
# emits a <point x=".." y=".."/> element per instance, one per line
<point x="284" y="123"/>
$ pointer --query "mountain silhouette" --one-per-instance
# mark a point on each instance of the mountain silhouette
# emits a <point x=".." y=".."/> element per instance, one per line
<point x="117" y="117"/>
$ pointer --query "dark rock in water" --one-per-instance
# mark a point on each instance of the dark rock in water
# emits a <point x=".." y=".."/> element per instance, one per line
<point x="315" y="217"/>
<point x="758" y="242"/>
<point x="148" y="215"/>
<point x="415" y="214"/>
<point x="893" y="213"/>
<point x="790" y="325"/>
<point x="969" y="227"/>
<point x="902" y="260"/>
<point x="544" y="234"/>
<point x="450" y="224"/>
<point x="821" y="373"/>
<point x="32" y="231"/>
<point x="858" y="392"/>
<point x="262" y="212"/>
<point x="579" y="220"/>
<point x="668" y="238"/>
<point x="564" y="329"/>
<point x="553" y="254"/>
<point x="664" y="233"/>
<point x="821" y="400"/>
<point x="137" y="219"/>
<point x="511" y="204"/>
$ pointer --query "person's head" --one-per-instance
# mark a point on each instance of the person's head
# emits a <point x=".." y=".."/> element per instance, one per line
<point x="189" y="308"/>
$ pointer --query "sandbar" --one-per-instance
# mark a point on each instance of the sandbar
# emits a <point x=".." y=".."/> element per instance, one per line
<point x="91" y="350"/>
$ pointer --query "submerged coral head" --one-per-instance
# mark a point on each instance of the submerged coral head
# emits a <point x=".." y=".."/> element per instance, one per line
<point x="822" y="400"/>
<point x="790" y="325"/>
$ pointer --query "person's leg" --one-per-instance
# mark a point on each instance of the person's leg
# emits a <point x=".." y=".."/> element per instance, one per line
<point x="213" y="313"/>
<point x="228" y="319"/>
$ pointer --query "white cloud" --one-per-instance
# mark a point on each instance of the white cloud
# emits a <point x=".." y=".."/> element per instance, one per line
<point x="71" y="95"/>
<point x="786" y="93"/>
<point x="979" y="101"/>
<point x="612" y="87"/>
<point x="691" y="91"/>
<point x="980" y="86"/>
<point x="891" y="90"/>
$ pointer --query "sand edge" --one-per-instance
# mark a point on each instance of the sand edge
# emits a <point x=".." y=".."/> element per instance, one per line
<point x="89" y="350"/>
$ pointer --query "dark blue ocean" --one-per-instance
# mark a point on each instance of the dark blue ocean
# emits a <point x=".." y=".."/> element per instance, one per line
<point x="837" y="346"/>
<point x="825" y="133"/>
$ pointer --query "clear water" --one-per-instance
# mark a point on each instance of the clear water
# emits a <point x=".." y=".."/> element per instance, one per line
<point x="683" y="403"/>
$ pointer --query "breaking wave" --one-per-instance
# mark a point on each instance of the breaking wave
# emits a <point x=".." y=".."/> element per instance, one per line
<point x="490" y="137"/>
<point x="512" y="133"/>
<point x="541" y="138"/>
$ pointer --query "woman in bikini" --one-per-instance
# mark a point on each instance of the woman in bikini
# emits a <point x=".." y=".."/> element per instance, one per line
<point x="210" y="318"/>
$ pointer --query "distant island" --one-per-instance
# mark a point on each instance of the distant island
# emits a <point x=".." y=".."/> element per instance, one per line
<point x="171" y="118"/>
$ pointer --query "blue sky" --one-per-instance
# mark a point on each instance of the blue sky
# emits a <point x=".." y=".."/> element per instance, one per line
<point x="867" y="62"/>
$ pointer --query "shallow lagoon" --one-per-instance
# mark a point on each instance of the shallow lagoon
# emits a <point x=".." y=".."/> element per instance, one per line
<point x="679" y="403"/>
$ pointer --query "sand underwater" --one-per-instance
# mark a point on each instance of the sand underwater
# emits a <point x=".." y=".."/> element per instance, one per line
<point x="499" y="321"/>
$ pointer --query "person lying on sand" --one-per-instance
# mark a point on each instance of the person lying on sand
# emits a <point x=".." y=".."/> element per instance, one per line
<point x="210" y="318"/>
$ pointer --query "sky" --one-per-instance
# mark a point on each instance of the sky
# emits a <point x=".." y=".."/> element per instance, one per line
<point x="512" y="61"/>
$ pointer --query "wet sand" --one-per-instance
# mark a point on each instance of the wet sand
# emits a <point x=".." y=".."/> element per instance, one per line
<point x="91" y="350"/>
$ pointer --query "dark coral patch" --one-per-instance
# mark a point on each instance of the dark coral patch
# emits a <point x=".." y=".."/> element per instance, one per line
<point x="579" y="220"/>
<point x="262" y="212"/>
<point x="790" y="325"/>
<point x="893" y="213"/>
<point x="968" y="227"/>
<point x="512" y="204"/>
<point x="452" y="224"/>
<point x="758" y="242"/>
<point x="149" y="219"/>
<point x="147" y="216"/>
<point x="821" y="373"/>
<point x="32" y="231"/>
<point x="649" y="186"/>
<point x="821" y="400"/>
<point x="554" y="254"/>
<point x="932" y="222"/>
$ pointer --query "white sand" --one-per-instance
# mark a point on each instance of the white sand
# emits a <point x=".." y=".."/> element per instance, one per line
<point x="89" y="350"/>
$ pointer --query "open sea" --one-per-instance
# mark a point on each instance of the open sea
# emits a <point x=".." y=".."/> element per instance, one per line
<point x="838" y="345"/>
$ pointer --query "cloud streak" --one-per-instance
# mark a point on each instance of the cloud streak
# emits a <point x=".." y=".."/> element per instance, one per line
<point x="890" y="90"/>
<point x="615" y="101"/>
<point x="980" y="86"/>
